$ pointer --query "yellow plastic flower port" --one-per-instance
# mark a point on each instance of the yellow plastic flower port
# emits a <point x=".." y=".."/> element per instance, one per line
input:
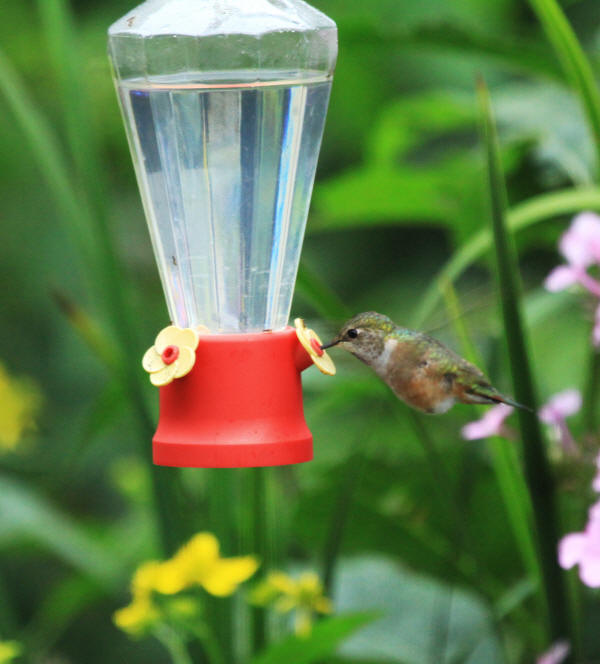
<point x="303" y="595"/>
<point x="312" y="344"/>
<point x="173" y="354"/>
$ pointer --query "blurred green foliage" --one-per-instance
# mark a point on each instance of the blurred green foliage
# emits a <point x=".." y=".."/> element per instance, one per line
<point x="420" y="533"/>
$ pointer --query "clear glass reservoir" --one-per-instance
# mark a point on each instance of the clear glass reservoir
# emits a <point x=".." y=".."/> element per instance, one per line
<point x="224" y="103"/>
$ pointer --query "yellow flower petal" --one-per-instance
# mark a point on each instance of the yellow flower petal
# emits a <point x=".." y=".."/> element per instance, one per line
<point x="285" y="603"/>
<point x="152" y="361"/>
<point x="185" y="362"/>
<point x="282" y="582"/>
<point x="201" y="551"/>
<point x="305" y="335"/>
<point x="9" y="650"/>
<point x="323" y="605"/>
<point x="136" y="617"/>
<point x="20" y="401"/>
<point x="144" y="579"/>
<point x="263" y="594"/>
<point x="227" y="574"/>
<point x="171" y="578"/>
<point x="310" y="583"/>
<point x="176" y="336"/>
<point x="164" y="376"/>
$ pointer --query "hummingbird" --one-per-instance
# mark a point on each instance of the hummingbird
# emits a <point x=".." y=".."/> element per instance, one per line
<point x="421" y="370"/>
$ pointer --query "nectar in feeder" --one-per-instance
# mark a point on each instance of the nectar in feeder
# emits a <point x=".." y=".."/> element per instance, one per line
<point x="224" y="103"/>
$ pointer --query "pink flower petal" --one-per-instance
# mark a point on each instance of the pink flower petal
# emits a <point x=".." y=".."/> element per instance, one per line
<point x="561" y="405"/>
<point x="556" y="655"/>
<point x="570" y="549"/>
<point x="489" y="425"/>
<point x="589" y="570"/>
<point x="580" y="244"/>
<point x="560" y="278"/>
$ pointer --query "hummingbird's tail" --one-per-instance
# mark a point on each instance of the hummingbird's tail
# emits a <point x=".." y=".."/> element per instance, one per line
<point x="500" y="398"/>
<point x="484" y="394"/>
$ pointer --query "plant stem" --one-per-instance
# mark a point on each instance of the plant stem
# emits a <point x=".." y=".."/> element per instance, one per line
<point x="173" y="644"/>
<point x="260" y="547"/>
<point x="537" y="468"/>
<point x="505" y="463"/>
<point x="350" y="476"/>
<point x="574" y="61"/>
<point x="591" y="394"/>
<point x="210" y="644"/>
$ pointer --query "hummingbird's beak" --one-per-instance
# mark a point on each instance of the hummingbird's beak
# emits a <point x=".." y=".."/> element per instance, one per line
<point x="335" y="342"/>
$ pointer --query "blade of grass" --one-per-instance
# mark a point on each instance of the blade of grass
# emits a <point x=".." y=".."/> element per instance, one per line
<point x="537" y="468"/>
<point x="505" y="461"/>
<point x="325" y="301"/>
<point x="102" y="274"/>
<point x="521" y="216"/>
<point x="581" y="76"/>
<point x="60" y="35"/>
<point x="573" y="60"/>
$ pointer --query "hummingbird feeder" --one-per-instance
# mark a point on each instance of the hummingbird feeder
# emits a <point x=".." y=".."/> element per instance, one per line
<point x="224" y="103"/>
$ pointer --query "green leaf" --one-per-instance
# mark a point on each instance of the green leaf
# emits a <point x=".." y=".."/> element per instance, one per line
<point x="423" y="620"/>
<point x="26" y="515"/>
<point x="562" y="142"/>
<point x="325" y="637"/>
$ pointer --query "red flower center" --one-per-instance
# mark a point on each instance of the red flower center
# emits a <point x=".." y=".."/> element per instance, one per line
<point x="316" y="346"/>
<point x="170" y="354"/>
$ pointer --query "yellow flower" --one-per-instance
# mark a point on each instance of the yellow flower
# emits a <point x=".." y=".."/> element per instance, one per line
<point x="19" y="403"/>
<point x="197" y="563"/>
<point x="303" y="595"/>
<point x="173" y="354"/>
<point x="8" y="651"/>
<point x="312" y="345"/>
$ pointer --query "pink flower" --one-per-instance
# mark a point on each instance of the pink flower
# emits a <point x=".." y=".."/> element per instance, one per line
<point x="491" y="424"/>
<point x="559" y="407"/>
<point x="583" y="549"/>
<point x="557" y="653"/>
<point x="580" y="245"/>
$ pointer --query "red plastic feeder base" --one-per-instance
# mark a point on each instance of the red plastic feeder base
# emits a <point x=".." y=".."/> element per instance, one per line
<point x="240" y="406"/>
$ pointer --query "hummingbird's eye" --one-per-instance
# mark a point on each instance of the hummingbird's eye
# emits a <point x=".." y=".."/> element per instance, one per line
<point x="352" y="334"/>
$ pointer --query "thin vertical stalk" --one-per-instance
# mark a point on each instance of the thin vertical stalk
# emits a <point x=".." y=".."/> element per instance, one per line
<point x="580" y="74"/>
<point x="574" y="62"/>
<point x="260" y="546"/>
<point x="505" y="462"/>
<point x="537" y="468"/>
<point x="592" y="390"/>
<point x="221" y="484"/>
<point x="350" y="476"/>
<point x="173" y="644"/>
